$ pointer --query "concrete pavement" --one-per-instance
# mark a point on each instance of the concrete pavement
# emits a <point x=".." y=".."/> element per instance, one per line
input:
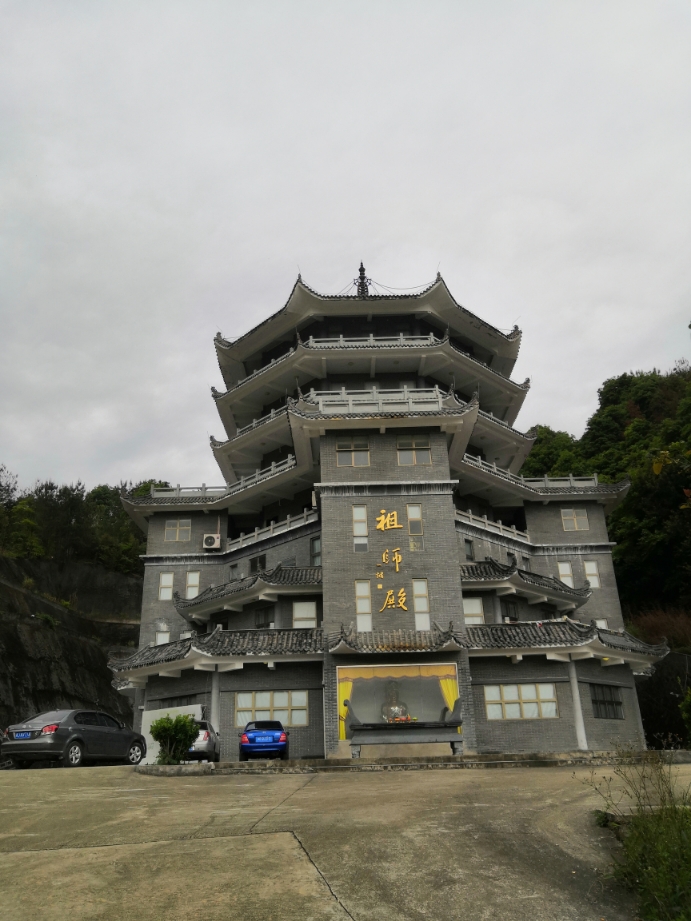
<point x="111" y="844"/>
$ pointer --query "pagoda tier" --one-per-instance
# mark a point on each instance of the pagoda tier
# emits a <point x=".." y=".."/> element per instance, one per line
<point x="364" y="363"/>
<point x="434" y="307"/>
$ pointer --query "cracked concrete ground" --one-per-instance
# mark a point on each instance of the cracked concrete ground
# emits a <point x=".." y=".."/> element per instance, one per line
<point x="110" y="844"/>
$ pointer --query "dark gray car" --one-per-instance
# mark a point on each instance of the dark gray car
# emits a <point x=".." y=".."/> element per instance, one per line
<point x="72" y="737"/>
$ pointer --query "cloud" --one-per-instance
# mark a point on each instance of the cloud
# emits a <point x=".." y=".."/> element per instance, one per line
<point x="165" y="168"/>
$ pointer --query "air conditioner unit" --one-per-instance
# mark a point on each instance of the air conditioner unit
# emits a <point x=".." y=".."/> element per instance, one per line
<point x="212" y="541"/>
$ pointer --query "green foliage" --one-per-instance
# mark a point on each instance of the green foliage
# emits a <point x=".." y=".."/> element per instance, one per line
<point x="70" y="523"/>
<point x="52" y="622"/>
<point x="642" y="417"/>
<point x="174" y="736"/>
<point x="651" y="814"/>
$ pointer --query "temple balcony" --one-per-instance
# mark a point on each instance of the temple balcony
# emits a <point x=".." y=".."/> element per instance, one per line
<point x="367" y="359"/>
<point x="493" y="527"/>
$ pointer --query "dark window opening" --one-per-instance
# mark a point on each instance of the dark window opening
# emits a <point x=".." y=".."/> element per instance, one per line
<point x="258" y="563"/>
<point x="607" y="703"/>
<point x="316" y="551"/>
<point x="509" y="611"/>
<point x="469" y="550"/>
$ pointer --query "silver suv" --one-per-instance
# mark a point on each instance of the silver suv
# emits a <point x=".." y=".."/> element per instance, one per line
<point x="207" y="746"/>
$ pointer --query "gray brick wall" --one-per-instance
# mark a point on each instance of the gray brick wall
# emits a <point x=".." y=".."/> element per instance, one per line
<point x="545" y="526"/>
<point x="384" y="459"/>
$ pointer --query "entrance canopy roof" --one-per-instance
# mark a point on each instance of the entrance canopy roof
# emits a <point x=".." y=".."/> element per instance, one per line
<point x="490" y="575"/>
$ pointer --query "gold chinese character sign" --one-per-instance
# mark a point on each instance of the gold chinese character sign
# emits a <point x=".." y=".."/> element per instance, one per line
<point x="387" y="520"/>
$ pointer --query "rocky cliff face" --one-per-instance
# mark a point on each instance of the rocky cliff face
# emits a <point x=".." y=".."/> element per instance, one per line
<point x="52" y="657"/>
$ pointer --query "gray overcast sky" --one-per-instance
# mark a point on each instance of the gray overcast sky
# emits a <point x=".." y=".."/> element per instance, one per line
<point x="165" y="167"/>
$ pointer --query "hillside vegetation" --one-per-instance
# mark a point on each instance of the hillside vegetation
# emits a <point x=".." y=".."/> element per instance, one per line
<point x="640" y="415"/>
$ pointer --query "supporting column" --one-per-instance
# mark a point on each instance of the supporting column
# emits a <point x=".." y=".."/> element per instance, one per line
<point x="577" y="709"/>
<point x="215" y="717"/>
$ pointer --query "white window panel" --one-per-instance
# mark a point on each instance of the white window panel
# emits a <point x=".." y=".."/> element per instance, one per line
<point x="304" y="614"/>
<point x="592" y="573"/>
<point x="473" y="611"/>
<point x="565" y="573"/>
<point x="165" y="586"/>
<point x="192" y="585"/>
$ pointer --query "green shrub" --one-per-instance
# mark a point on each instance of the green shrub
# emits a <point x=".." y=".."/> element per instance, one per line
<point x="651" y="815"/>
<point x="29" y="584"/>
<point x="52" y="622"/>
<point x="174" y="736"/>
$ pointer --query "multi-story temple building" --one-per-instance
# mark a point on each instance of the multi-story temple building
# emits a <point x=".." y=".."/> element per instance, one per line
<point x="375" y="569"/>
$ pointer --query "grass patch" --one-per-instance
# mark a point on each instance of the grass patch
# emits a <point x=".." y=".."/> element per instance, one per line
<point x="651" y="815"/>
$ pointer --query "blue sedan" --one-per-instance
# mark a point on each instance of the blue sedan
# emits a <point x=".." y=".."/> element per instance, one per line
<point x="265" y="738"/>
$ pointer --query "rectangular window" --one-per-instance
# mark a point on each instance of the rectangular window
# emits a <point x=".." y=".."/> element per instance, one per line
<point x="601" y="623"/>
<point x="413" y="451"/>
<point x="574" y="519"/>
<point x="178" y="530"/>
<point x="469" y="550"/>
<point x="316" y="551"/>
<point x="565" y="573"/>
<point x="352" y="452"/>
<point x="473" y="611"/>
<point x="525" y="563"/>
<point x="363" y="606"/>
<point x="165" y="586"/>
<point x="509" y="611"/>
<point x="421" y="604"/>
<point x="592" y="573"/>
<point x="607" y="703"/>
<point x="233" y="572"/>
<point x="521" y="701"/>
<point x="185" y="635"/>
<point x="288" y="707"/>
<point x="415" y="528"/>
<point x="192" y="585"/>
<point x="264" y="618"/>
<point x="257" y="563"/>
<point x="162" y="636"/>
<point x="304" y="615"/>
<point x="360" y="528"/>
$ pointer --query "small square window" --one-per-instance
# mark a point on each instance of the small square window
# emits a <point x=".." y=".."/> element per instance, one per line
<point x="178" y="529"/>
<point x="473" y="611"/>
<point x="162" y="637"/>
<point x="264" y="618"/>
<point x="304" y="614"/>
<point x="364" y="623"/>
<point x="316" y="551"/>
<point x="601" y="623"/>
<point x="258" y="564"/>
<point x="574" y="519"/>
<point x="606" y="701"/>
<point x="233" y="572"/>
<point x="469" y="550"/>
<point x="416" y="544"/>
<point x="592" y="573"/>
<point x="363" y="597"/>
<point x="192" y="585"/>
<point x="525" y="563"/>
<point x="352" y="452"/>
<point x="165" y="586"/>
<point x="565" y="573"/>
<point x="413" y="451"/>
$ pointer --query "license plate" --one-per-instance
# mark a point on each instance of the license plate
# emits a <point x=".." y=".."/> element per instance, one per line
<point x="264" y="739"/>
<point x="22" y="735"/>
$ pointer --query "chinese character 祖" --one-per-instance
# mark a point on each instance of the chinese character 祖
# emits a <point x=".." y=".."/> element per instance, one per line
<point x="402" y="599"/>
<point x="387" y="521"/>
<point x="389" y="601"/>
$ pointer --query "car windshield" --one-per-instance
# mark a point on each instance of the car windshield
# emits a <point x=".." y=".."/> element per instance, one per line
<point x="264" y="724"/>
<point x="202" y="725"/>
<point x="42" y="719"/>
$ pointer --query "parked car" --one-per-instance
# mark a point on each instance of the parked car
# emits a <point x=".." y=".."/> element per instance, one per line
<point x="264" y="737"/>
<point x="208" y="744"/>
<point x="72" y="737"/>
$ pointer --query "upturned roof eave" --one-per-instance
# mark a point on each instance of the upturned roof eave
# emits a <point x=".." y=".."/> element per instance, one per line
<point x="302" y="298"/>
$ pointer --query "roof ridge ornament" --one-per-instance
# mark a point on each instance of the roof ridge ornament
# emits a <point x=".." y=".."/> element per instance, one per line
<point x="362" y="282"/>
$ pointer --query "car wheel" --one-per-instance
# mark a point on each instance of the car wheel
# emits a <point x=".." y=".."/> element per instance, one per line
<point x="244" y="756"/>
<point x="135" y="754"/>
<point x="74" y="755"/>
<point x="217" y="757"/>
<point x="285" y="755"/>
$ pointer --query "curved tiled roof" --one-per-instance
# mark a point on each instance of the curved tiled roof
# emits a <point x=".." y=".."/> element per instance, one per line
<point x="280" y="575"/>
<point x="434" y="640"/>
<point x="492" y="570"/>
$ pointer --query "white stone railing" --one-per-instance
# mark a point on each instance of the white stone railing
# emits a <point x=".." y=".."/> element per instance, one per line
<point x="276" y="527"/>
<point x="344" y="342"/>
<point x="408" y="399"/>
<point x="255" y="423"/>
<point x="217" y="492"/>
<point x="495" y="527"/>
<point x="533" y="483"/>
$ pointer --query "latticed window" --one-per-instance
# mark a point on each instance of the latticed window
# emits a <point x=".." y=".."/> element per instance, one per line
<point x="360" y="528"/>
<point x="565" y="573"/>
<point x="181" y="529"/>
<point x="316" y="551"/>
<point x="521" y="701"/>
<point x="415" y="528"/>
<point x="352" y="451"/>
<point x="363" y="606"/>
<point x="607" y="703"/>
<point x="192" y="585"/>
<point x="165" y="586"/>
<point x="473" y="611"/>
<point x="592" y="573"/>
<point x="413" y="450"/>
<point x="304" y="615"/>
<point x="574" y="519"/>
<point x="421" y="604"/>
<point x="288" y="707"/>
